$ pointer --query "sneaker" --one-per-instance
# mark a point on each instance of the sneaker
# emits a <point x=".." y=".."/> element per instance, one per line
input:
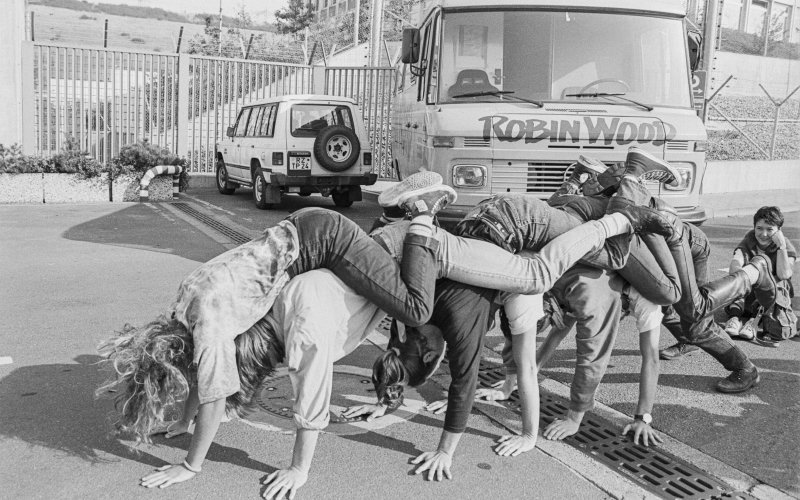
<point x="647" y="167"/>
<point x="765" y="289"/>
<point x="584" y="170"/>
<point x="763" y="339"/>
<point x="611" y="177"/>
<point x="427" y="201"/>
<point x="676" y="351"/>
<point x="739" y="381"/>
<point x="733" y="326"/>
<point x="420" y="180"/>
<point x="748" y="330"/>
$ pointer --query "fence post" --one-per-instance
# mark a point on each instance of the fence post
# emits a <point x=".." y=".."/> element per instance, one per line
<point x="28" y="102"/>
<point x="709" y="37"/>
<point x="318" y="79"/>
<point x="183" y="105"/>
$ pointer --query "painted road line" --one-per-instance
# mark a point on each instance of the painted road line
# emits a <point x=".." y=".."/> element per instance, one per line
<point x="6" y="360"/>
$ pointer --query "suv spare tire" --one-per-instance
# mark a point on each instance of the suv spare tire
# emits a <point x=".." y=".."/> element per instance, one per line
<point x="336" y="148"/>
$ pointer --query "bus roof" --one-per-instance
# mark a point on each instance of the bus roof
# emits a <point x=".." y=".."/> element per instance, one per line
<point x="668" y="7"/>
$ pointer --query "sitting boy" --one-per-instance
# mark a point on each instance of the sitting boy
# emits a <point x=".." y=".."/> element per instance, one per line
<point x="767" y="239"/>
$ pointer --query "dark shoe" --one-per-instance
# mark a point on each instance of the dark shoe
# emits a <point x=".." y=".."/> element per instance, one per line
<point x="739" y="381"/>
<point x="611" y="178"/>
<point x="427" y="201"/>
<point x="765" y="289"/>
<point x="408" y="186"/>
<point x="641" y="164"/>
<point x="676" y="351"/>
<point x="643" y="219"/>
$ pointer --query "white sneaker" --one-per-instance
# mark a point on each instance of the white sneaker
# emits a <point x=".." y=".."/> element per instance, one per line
<point x="733" y="326"/>
<point x="748" y="331"/>
<point x="412" y="184"/>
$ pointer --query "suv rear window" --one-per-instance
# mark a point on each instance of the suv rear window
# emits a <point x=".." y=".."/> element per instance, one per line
<point x="309" y="119"/>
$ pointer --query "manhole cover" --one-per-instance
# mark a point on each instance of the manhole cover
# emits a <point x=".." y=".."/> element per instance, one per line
<point x="352" y="386"/>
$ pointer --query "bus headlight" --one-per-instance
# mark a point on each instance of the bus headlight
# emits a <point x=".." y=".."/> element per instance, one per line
<point x="684" y="177"/>
<point x="469" y="176"/>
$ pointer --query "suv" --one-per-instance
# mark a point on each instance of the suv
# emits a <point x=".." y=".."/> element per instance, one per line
<point x="296" y="144"/>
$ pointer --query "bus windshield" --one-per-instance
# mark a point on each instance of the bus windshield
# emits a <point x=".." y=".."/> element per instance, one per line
<point x="561" y="56"/>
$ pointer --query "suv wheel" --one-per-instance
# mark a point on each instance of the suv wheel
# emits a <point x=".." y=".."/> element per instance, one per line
<point x="337" y="148"/>
<point x="260" y="186"/>
<point x="342" y="198"/>
<point x="223" y="186"/>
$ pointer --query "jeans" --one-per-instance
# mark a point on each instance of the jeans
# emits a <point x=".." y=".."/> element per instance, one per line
<point x="329" y="240"/>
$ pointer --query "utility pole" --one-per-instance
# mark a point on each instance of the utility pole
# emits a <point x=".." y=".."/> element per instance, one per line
<point x="220" y="28"/>
<point x="376" y="33"/>
<point x="356" y="26"/>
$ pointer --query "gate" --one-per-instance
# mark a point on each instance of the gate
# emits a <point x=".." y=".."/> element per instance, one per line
<point x="99" y="100"/>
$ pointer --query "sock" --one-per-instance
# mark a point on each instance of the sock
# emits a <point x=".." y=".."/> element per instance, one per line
<point x="422" y="225"/>
<point x="614" y="224"/>
<point x="752" y="273"/>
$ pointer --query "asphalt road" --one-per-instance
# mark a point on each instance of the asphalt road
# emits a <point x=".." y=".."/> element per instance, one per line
<point x="72" y="274"/>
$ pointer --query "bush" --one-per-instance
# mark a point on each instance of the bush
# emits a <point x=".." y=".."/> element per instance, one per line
<point x="136" y="159"/>
<point x="70" y="160"/>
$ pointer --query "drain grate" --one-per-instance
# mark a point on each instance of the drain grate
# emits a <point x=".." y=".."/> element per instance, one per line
<point x="654" y="470"/>
<point x="218" y="226"/>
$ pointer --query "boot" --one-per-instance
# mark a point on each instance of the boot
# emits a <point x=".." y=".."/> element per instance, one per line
<point x="662" y="206"/>
<point x="727" y="289"/>
<point x="643" y="219"/>
<point x="739" y="381"/>
<point x="765" y="289"/>
<point x="641" y="164"/>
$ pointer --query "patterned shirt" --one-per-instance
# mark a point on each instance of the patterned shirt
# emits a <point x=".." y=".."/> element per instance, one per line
<point x="227" y="295"/>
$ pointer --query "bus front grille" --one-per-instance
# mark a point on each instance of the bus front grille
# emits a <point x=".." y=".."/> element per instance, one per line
<point x="536" y="177"/>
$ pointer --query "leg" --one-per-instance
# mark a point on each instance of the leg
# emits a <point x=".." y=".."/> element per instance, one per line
<point x="651" y="270"/>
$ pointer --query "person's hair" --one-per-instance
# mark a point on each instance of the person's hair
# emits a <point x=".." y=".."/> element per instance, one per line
<point x="399" y="366"/>
<point x="771" y="215"/>
<point x="152" y="371"/>
<point x="257" y="355"/>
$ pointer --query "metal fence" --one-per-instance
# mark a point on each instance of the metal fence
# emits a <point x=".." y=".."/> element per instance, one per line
<point x="102" y="99"/>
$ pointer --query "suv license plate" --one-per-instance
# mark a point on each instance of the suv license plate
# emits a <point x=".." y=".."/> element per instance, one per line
<point x="299" y="162"/>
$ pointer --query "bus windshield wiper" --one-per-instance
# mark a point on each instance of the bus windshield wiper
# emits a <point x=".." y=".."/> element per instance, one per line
<point x="618" y="95"/>
<point x="508" y="93"/>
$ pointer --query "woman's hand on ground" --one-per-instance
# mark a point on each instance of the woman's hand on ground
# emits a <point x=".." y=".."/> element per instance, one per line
<point x="374" y="411"/>
<point x="484" y="394"/>
<point x="437" y="463"/>
<point x="167" y="475"/>
<point x="643" y="430"/>
<point x="284" y="483"/>
<point x="560" y="429"/>
<point x="178" y="428"/>
<point x="514" y="445"/>
<point x="437" y="407"/>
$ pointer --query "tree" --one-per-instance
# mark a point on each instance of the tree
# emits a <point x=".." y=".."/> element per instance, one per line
<point x="295" y="17"/>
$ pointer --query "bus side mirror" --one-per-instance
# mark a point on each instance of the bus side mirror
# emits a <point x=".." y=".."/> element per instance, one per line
<point x="410" y="46"/>
<point x="695" y="47"/>
<point x="229" y="132"/>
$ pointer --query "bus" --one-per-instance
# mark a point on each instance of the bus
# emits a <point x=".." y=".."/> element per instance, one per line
<point x="502" y="96"/>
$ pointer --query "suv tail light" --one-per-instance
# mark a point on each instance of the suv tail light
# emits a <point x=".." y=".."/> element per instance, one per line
<point x="277" y="158"/>
<point x="367" y="158"/>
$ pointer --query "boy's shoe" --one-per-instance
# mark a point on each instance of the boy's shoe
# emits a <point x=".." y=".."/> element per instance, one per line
<point x="733" y="326"/>
<point x="739" y="381"/>
<point x="584" y="170"/>
<point x="411" y="184"/>
<point x="647" y="167"/>
<point x="427" y="201"/>
<point x="610" y="178"/>
<point x="748" y="330"/>
<point x="677" y="350"/>
<point x="765" y="289"/>
<point x="764" y="339"/>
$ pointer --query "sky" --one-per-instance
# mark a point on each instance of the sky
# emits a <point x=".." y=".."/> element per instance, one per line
<point x="260" y="10"/>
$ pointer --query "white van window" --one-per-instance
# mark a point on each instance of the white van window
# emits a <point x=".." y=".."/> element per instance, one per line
<point x="552" y="55"/>
<point x="267" y="125"/>
<point x="309" y="119"/>
<point x="241" y="122"/>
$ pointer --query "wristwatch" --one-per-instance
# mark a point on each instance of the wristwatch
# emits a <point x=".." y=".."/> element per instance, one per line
<point x="645" y="417"/>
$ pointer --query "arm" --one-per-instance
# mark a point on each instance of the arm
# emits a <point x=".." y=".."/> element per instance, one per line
<point x="648" y="383"/>
<point x="190" y="408"/>
<point x="208" y="419"/>
<point x="783" y="262"/>
<point x="285" y="482"/>
<point x="552" y="341"/>
<point x="524" y="347"/>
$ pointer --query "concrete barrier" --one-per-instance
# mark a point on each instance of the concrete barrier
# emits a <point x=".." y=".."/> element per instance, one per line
<point x="741" y="187"/>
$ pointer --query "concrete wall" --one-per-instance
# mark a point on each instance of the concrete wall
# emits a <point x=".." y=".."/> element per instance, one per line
<point x="741" y="187"/>
<point x="12" y="34"/>
<point x="778" y="76"/>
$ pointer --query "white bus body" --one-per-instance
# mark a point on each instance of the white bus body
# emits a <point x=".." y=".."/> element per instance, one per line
<point x="490" y="100"/>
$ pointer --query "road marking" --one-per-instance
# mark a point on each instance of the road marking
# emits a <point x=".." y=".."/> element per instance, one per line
<point x="6" y="360"/>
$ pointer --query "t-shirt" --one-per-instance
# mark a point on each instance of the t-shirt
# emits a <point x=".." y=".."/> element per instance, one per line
<point x="749" y="247"/>
<point x="319" y="320"/>
<point x="227" y="295"/>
